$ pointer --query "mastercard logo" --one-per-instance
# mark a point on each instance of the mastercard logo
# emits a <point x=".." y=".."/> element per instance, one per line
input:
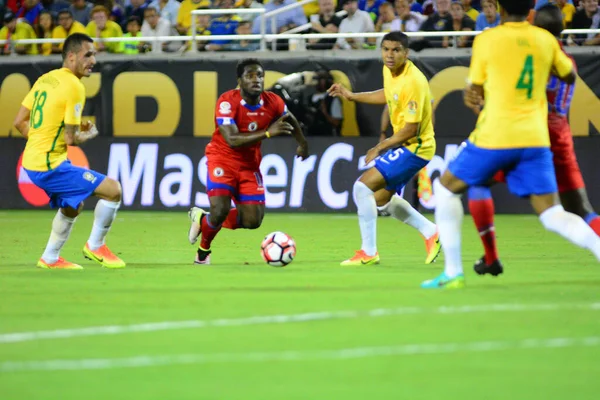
<point x="33" y="194"/>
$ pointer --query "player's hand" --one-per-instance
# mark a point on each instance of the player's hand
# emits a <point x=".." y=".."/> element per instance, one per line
<point x="473" y="99"/>
<point x="371" y="155"/>
<point x="89" y="129"/>
<point x="302" y="151"/>
<point x="338" y="90"/>
<point x="281" y="127"/>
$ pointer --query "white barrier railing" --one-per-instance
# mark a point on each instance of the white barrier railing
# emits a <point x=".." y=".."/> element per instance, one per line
<point x="267" y="37"/>
<point x="308" y="25"/>
<point x="274" y="13"/>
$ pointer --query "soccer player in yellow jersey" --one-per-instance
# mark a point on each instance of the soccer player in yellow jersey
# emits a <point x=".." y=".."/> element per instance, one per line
<point x="399" y="158"/>
<point x="510" y="67"/>
<point x="50" y="120"/>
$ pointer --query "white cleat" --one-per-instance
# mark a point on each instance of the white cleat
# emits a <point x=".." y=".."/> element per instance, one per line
<point x="195" y="214"/>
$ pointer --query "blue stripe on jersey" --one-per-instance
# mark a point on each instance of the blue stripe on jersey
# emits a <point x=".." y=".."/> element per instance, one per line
<point x="225" y="121"/>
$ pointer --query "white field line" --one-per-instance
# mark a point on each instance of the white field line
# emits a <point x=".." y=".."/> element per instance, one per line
<point x="283" y="319"/>
<point x="308" y="355"/>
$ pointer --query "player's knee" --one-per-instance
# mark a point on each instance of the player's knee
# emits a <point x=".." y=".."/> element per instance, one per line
<point x="219" y="213"/>
<point x="251" y="222"/>
<point x="111" y="190"/>
<point x="72" y="212"/>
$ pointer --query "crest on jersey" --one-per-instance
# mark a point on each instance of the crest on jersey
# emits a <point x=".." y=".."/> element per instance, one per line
<point x="225" y="107"/>
<point x="88" y="176"/>
<point x="412" y="107"/>
<point x="78" y="109"/>
<point x="252" y="126"/>
<point x="218" y="172"/>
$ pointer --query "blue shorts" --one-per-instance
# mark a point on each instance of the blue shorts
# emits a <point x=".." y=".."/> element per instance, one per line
<point x="67" y="185"/>
<point x="529" y="171"/>
<point x="398" y="167"/>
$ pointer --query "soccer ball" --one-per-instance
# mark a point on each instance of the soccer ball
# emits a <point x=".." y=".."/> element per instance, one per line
<point x="278" y="249"/>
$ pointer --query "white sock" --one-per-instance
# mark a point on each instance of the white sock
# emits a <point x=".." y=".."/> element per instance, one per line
<point x="367" y="217"/>
<point x="571" y="227"/>
<point x="448" y="217"/>
<point x="403" y="211"/>
<point x="104" y="215"/>
<point x="61" y="228"/>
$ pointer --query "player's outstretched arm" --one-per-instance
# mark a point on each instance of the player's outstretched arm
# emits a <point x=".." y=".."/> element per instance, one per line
<point x="79" y="134"/>
<point x="234" y="138"/>
<point x="375" y="97"/>
<point x="21" y="122"/>
<point x="302" y="150"/>
<point x="396" y="140"/>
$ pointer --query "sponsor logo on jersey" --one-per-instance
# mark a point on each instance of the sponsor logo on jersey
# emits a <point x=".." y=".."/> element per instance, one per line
<point x="225" y="107"/>
<point x="412" y="107"/>
<point x="218" y="172"/>
<point x="252" y="126"/>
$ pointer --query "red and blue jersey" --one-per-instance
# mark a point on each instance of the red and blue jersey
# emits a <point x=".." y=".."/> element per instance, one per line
<point x="559" y="96"/>
<point x="232" y="109"/>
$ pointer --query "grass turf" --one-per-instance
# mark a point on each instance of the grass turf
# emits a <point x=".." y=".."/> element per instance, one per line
<point x="161" y="284"/>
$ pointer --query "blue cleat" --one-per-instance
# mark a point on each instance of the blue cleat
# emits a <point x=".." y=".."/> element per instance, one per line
<point x="444" y="282"/>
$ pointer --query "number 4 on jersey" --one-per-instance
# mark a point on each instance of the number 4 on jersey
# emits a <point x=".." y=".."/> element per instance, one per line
<point x="526" y="78"/>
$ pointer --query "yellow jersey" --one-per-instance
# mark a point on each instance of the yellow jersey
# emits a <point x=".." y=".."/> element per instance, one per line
<point x="568" y="10"/>
<point x="184" y="17"/>
<point x="112" y="29"/>
<point x="409" y="100"/>
<point x="60" y="33"/>
<point x="22" y="31"/>
<point x="57" y="98"/>
<point x="513" y="63"/>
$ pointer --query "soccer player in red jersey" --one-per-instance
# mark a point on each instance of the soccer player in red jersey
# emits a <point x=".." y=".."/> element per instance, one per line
<point x="243" y="118"/>
<point x="571" y="187"/>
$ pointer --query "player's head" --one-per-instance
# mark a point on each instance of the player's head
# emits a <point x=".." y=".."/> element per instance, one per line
<point x="394" y="49"/>
<point x="251" y="77"/>
<point x="79" y="54"/>
<point x="516" y="8"/>
<point x="550" y="18"/>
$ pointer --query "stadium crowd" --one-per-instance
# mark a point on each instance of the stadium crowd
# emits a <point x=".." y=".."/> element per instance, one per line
<point x="139" y="19"/>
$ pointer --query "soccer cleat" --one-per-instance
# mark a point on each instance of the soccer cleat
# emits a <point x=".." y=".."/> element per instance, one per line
<point x="493" y="269"/>
<point x="61" y="263"/>
<point x="444" y="282"/>
<point x="424" y="187"/>
<point x="202" y="257"/>
<point x="195" y="215"/>
<point x="433" y="248"/>
<point x="361" y="258"/>
<point x="103" y="256"/>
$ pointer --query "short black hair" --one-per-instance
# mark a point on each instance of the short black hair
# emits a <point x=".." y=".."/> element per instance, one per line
<point x="74" y="42"/>
<point x="65" y="11"/>
<point x="135" y="19"/>
<point x="550" y="18"/>
<point x="517" y="7"/>
<point x="241" y="66"/>
<point x="396" y="36"/>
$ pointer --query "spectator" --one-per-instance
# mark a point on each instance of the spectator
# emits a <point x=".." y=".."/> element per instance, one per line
<point x="155" y="25"/>
<point x="135" y="9"/>
<point x="568" y="11"/>
<point x="243" y="28"/>
<point x="66" y="26"/>
<point x="415" y="6"/>
<point x="461" y="22"/>
<point x="357" y="21"/>
<point x="44" y="31"/>
<point x="312" y="8"/>
<point x="586" y="18"/>
<point x="248" y="4"/>
<point x="325" y="112"/>
<point x="407" y="21"/>
<point x="80" y="10"/>
<point x="14" y="30"/>
<point x="470" y="11"/>
<point x="226" y="24"/>
<point x="133" y="31"/>
<point x="30" y="10"/>
<point x="441" y="21"/>
<point x="489" y="17"/>
<point x="384" y="22"/>
<point x="284" y="21"/>
<point x="167" y="9"/>
<point x="101" y="27"/>
<point x="54" y="6"/>
<point x="202" y="23"/>
<point x="184" y="17"/>
<point x="541" y="3"/>
<point x="372" y="7"/>
<point x="325" y="22"/>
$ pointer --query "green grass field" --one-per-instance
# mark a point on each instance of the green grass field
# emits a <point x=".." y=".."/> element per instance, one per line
<point x="165" y="329"/>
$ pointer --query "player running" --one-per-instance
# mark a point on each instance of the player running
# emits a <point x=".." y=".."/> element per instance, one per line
<point x="511" y="134"/>
<point x="50" y="120"/>
<point x="571" y="187"/>
<point x="398" y="158"/>
<point x="243" y="118"/>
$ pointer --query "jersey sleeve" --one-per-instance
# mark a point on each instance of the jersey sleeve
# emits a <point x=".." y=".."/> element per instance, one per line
<point x="29" y="99"/>
<point x="561" y="63"/>
<point x="413" y="101"/>
<point x="74" y="104"/>
<point x="477" y="70"/>
<point x="225" y="111"/>
<point x="281" y="108"/>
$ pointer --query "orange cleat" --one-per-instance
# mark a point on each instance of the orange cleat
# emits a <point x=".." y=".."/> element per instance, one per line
<point x="433" y="248"/>
<point x="361" y="258"/>
<point x="103" y="256"/>
<point x="61" y="263"/>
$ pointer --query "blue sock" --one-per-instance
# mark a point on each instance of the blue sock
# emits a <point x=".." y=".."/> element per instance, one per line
<point x="588" y="218"/>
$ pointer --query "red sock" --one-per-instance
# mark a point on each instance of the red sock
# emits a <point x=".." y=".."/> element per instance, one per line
<point x="594" y="223"/>
<point x="482" y="212"/>
<point x="232" y="220"/>
<point x="208" y="233"/>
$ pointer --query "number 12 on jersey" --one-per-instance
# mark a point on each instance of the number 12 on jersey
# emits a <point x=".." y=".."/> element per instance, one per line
<point x="526" y="78"/>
